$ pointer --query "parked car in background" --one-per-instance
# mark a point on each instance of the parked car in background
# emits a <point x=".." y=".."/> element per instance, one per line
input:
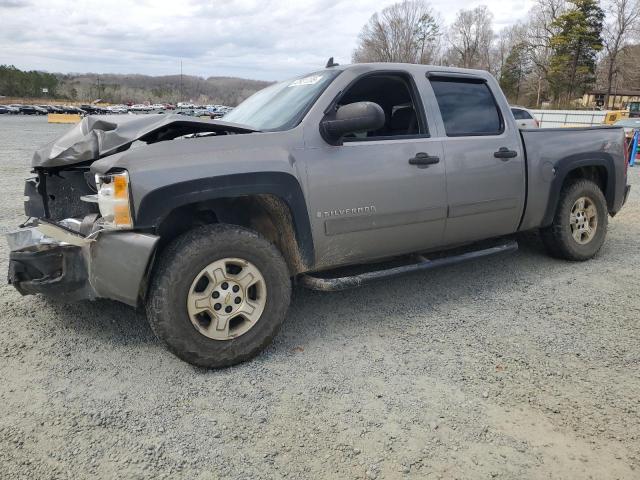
<point x="9" y="110"/>
<point x="91" y="109"/>
<point x="25" y="109"/>
<point x="224" y="110"/>
<point x="50" y="108"/>
<point x="74" y="110"/>
<point x="117" y="109"/>
<point x="524" y="118"/>
<point x="139" y="107"/>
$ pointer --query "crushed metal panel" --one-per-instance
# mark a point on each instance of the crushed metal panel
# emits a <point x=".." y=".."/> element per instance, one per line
<point x="62" y="235"/>
<point x="96" y="137"/>
<point x="118" y="264"/>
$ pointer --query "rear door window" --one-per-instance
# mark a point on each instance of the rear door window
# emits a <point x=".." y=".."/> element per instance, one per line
<point x="467" y="107"/>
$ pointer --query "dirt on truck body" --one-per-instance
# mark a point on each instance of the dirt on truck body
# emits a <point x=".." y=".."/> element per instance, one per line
<point x="334" y="179"/>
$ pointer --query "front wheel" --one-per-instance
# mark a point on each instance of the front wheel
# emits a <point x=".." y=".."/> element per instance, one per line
<point x="579" y="226"/>
<point x="218" y="295"/>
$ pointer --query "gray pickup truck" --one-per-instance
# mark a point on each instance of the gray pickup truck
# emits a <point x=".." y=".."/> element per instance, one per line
<point x="330" y="180"/>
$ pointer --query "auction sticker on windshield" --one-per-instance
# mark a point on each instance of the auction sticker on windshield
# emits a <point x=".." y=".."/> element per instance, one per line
<point x="310" y="80"/>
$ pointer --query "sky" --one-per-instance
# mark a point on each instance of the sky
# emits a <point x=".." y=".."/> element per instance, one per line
<point x="265" y="40"/>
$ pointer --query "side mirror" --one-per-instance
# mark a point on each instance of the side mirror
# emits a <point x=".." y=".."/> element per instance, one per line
<point x="351" y="118"/>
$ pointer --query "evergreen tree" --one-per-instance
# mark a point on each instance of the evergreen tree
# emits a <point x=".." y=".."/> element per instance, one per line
<point x="575" y="46"/>
<point x="16" y="83"/>
<point x="516" y="67"/>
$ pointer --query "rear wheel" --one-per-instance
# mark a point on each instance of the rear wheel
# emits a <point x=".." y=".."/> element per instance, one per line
<point x="579" y="226"/>
<point x="218" y="295"/>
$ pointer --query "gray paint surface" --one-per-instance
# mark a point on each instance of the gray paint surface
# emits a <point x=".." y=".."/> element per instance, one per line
<point x="551" y="152"/>
<point x="119" y="263"/>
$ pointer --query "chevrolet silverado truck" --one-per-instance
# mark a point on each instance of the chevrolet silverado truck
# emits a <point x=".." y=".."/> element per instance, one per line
<point x="329" y="180"/>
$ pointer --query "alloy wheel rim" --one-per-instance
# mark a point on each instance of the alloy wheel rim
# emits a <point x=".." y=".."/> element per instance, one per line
<point x="227" y="298"/>
<point x="583" y="220"/>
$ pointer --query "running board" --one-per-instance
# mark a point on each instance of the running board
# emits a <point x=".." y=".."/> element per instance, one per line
<point x="353" y="281"/>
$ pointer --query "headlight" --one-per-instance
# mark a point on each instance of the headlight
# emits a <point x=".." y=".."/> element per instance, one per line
<point x="113" y="200"/>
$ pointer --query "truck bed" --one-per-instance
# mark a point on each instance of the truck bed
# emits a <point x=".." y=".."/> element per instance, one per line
<point x="551" y="153"/>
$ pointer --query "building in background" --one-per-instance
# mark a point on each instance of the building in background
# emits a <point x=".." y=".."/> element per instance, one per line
<point x="618" y="99"/>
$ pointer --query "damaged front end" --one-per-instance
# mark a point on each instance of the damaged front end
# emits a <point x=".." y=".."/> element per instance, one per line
<point x="81" y="241"/>
<point x="57" y="260"/>
<point x="40" y="264"/>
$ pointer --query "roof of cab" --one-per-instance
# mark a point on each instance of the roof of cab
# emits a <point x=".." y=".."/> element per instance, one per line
<point x="412" y="67"/>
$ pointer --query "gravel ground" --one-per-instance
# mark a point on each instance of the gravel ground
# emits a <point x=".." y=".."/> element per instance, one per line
<point x="513" y="367"/>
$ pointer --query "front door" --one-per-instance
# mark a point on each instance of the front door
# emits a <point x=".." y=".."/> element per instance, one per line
<point x="368" y="199"/>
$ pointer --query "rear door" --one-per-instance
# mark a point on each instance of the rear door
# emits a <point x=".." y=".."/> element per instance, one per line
<point x="485" y="166"/>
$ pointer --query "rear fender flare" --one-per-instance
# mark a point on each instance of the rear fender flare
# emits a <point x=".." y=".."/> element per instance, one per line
<point x="570" y="163"/>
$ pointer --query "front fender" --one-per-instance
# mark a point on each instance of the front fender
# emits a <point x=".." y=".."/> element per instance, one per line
<point x="157" y="204"/>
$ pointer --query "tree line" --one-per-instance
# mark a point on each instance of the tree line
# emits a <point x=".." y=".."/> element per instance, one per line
<point x="16" y="83"/>
<point x="159" y="89"/>
<point x="562" y="49"/>
<point x="117" y="89"/>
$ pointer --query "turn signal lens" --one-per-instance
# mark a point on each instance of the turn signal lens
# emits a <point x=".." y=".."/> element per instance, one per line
<point x="120" y="186"/>
<point x="113" y="200"/>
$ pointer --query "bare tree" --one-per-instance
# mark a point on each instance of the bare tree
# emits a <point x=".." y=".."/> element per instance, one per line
<point x="510" y="62"/>
<point x="471" y="37"/>
<point x="541" y="28"/>
<point x="513" y="36"/>
<point x="406" y="32"/>
<point x="622" y="22"/>
<point x="521" y="56"/>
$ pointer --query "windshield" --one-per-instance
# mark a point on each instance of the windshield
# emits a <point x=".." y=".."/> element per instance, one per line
<point x="281" y="106"/>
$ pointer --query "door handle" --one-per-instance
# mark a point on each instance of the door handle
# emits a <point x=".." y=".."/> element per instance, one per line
<point x="422" y="158"/>
<point x="505" y="154"/>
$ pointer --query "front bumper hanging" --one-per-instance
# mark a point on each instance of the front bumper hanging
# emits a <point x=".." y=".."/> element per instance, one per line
<point x="57" y="261"/>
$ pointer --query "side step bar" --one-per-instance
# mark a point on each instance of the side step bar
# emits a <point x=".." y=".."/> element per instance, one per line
<point x="342" y="283"/>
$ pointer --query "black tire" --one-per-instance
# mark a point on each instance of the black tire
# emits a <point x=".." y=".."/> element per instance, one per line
<point x="558" y="238"/>
<point x="174" y="273"/>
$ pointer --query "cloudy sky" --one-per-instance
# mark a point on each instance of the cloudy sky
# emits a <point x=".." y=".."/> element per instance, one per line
<point x="268" y="39"/>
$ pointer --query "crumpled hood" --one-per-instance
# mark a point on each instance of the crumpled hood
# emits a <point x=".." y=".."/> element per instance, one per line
<point x="96" y="137"/>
